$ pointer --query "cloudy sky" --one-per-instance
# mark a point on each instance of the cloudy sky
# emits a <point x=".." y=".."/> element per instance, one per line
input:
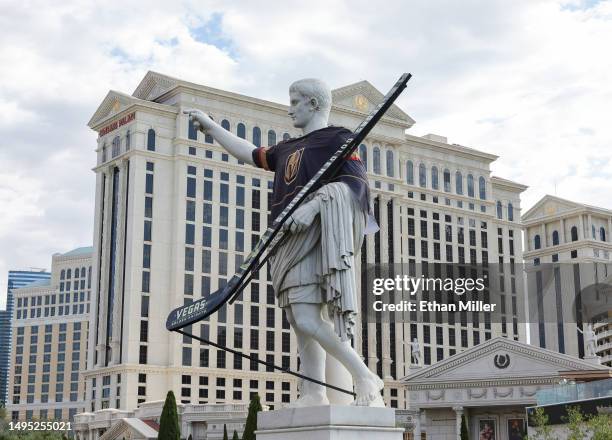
<point x="528" y="80"/>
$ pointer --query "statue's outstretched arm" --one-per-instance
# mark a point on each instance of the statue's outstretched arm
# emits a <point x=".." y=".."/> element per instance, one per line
<point x="240" y="148"/>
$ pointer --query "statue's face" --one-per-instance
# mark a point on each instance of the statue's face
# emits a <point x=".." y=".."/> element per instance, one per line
<point x="301" y="109"/>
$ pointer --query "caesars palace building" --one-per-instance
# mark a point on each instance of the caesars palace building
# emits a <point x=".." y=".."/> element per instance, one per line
<point x="175" y="216"/>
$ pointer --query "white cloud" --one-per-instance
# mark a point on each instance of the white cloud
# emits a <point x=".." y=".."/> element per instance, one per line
<point x="528" y="81"/>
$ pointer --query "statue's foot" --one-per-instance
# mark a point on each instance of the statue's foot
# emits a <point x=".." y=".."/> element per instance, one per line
<point x="368" y="391"/>
<point x="310" y="400"/>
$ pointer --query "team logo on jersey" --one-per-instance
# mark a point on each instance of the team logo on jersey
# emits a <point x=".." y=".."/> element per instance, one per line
<point x="292" y="165"/>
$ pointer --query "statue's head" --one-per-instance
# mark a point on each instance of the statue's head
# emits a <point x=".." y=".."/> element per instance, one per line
<point x="309" y="98"/>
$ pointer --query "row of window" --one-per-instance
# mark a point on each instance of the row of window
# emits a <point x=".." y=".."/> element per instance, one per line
<point x="537" y="241"/>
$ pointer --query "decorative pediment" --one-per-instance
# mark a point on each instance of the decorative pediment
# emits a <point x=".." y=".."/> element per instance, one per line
<point x="153" y="85"/>
<point x="363" y="97"/>
<point x="497" y="358"/>
<point x="550" y="205"/>
<point x="112" y="104"/>
<point x="130" y="429"/>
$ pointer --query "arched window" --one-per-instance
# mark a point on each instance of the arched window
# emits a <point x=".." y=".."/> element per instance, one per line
<point x="116" y="146"/>
<point x="434" y="177"/>
<point x="82" y="272"/>
<point x="410" y="172"/>
<point x="151" y="140"/>
<point x="69" y="273"/>
<point x="447" y="181"/>
<point x="510" y="212"/>
<point x="257" y="136"/>
<point x="376" y="160"/>
<point x="271" y="138"/>
<point x="555" y="238"/>
<point x="593" y="231"/>
<point x="602" y="234"/>
<point x="459" y="183"/>
<point x="363" y="155"/>
<point x="390" y="164"/>
<point x="225" y="124"/>
<point x="207" y="137"/>
<point x="241" y="130"/>
<point x="536" y="242"/>
<point x="192" y="133"/>
<point x="62" y="274"/>
<point x="128" y="140"/>
<point x="574" y="233"/>
<point x="470" y="185"/>
<point x="482" y="188"/>
<point x="422" y="175"/>
<point x="286" y="136"/>
<point x="500" y="214"/>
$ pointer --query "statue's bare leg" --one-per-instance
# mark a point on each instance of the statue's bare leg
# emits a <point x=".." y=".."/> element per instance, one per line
<point x="312" y="364"/>
<point x="309" y="321"/>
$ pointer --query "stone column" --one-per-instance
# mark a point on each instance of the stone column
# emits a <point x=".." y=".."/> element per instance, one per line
<point x="458" y="416"/>
<point x="581" y="235"/>
<point x="543" y="239"/>
<point x="103" y="266"/>
<point x="417" y="425"/>
<point x="563" y="239"/>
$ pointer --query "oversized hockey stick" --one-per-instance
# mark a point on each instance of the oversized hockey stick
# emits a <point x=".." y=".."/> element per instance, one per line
<point x="188" y="314"/>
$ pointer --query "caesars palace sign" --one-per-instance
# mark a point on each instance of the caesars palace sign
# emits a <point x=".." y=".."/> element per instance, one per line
<point x="116" y="124"/>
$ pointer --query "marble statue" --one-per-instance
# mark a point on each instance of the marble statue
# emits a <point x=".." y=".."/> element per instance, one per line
<point x="416" y="351"/>
<point x="590" y="340"/>
<point x="313" y="271"/>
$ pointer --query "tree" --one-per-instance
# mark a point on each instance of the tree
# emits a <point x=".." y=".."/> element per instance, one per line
<point x="543" y="431"/>
<point x="235" y="436"/>
<point x="251" y="422"/>
<point x="600" y="426"/>
<point x="225" y="437"/>
<point x="168" y="423"/>
<point x="575" y="424"/>
<point x="464" y="431"/>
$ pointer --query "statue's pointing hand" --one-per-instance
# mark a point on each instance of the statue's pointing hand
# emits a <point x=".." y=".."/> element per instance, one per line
<point x="201" y="121"/>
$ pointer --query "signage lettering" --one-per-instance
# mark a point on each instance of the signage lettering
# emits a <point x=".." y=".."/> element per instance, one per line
<point x="116" y="124"/>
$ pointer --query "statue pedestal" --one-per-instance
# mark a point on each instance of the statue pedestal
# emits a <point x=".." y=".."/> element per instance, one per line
<point x="330" y="422"/>
<point x="595" y="360"/>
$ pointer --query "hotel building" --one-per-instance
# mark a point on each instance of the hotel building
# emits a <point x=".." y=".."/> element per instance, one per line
<point x="49" y="347"/>
<point x="175" y="215"/>
<point x="568" y="253"/>
<point x="16" y="279"/>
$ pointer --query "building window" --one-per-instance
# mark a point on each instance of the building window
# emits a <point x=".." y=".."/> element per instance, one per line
<point x="225" y="124"/>
<point x="241" y="131"/>
<point x="363" y="155"/>
<point x="151" y="140"/>
<point x="376" y="160"/>
<point x="470" y="185"/>
<point x="574" y="233"/>
<point x="447" y="181"/>
<point x="192" y="133"/>
<point x="116" y="146"/>
<point x="482" y="188"/>
<point x="257" y="136"/>
<point x="536" y="242"/>
<point x="602" y="234"/>
<point x="390" y="164"/>
<point x="422" y="176"/>
<point x="459" y="183"/>
<point x="499" y="210"/>
<point x="510" y="212"/>
<point x="555" y="238"/>
<point x="434" y="177"/>
<point x="409" y="173"/>
<point x="271" y="138"/>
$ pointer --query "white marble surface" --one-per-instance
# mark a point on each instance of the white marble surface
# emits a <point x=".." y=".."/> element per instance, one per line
<point x="330" y="422"/>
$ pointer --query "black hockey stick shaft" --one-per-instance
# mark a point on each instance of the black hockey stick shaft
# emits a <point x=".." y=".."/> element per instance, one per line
<point x="267" y="364"/>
